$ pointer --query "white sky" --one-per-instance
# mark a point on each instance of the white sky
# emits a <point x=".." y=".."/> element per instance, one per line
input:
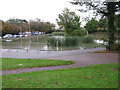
<point x="47" y="10"/>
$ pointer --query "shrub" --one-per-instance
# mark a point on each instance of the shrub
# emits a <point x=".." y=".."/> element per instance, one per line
<point x="52" y="41"/>
<point x="59" y="33"/>
<point x="87" y="39"/>
<point x="71" y="41"/>
<point x="67" y="41"/>
<point x="79" y="32"/>
<point x="49" y="32"/>
<point x="113" y="47"/>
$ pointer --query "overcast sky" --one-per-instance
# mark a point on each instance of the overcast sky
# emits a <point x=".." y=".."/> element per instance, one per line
<point x="46" y="10"/>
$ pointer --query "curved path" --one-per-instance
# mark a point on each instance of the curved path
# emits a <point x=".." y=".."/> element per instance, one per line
<point x="83" y="57"/>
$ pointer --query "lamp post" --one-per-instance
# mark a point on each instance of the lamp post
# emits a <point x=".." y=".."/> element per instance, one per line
<point x="21" y="37"/>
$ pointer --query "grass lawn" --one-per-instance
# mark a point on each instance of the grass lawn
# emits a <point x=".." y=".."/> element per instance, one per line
<point x="94" y="76"/>
<point x="10" y="63"/>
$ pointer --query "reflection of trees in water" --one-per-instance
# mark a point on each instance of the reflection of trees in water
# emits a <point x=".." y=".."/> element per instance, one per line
<point x="50" y="43"/>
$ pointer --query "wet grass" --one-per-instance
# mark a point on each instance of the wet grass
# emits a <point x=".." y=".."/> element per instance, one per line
<point x="94" y="76"/>
<point x="10" y="63"/>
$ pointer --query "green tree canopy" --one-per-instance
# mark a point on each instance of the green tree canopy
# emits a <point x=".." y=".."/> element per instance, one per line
<point x="103" y="23"/>
<point x="92" y="25"/>
<point x="69" y="21"/>
<point x="104" y="8"/>
<point x="117" y="22"/>
<point x="17" y="21"/>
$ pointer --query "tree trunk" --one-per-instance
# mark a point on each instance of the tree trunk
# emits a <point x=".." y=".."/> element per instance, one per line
<point x="111" y="25"/>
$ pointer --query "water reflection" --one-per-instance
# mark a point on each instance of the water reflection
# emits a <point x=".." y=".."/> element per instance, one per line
<point x="41" y="43"/>
<point x="101" y="42"/>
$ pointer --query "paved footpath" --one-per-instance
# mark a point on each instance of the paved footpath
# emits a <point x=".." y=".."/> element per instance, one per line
<point x="83" y="57"/>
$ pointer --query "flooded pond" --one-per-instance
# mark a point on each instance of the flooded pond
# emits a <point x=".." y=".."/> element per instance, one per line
<point x="52" y="43"/>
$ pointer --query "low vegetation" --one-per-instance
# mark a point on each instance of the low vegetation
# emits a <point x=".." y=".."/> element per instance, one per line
<point x="70" y="41"/>
<point x="58" y="33"/>
<point x="87" y="39"/>
<point x="65" y="41"/>
<point x="79" y="32"/>
<point x="94" y="76"/>
<point x="10" y="63"/>
<point x="106" y="51"/>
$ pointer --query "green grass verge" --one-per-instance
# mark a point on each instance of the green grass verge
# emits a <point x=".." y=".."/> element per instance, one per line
<point x="105" y="51"/>
<point x="94" y="76"/>
<point x="10" y="63"/>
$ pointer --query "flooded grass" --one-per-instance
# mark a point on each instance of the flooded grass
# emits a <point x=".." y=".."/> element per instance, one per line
<point x="52" y="43"/>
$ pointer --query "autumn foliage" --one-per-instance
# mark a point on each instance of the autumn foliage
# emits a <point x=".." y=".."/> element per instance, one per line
<point x="14" y="26"/>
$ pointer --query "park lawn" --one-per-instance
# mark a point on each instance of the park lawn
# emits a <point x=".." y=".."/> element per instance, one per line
<point x="94" y="76"/>
<point x="10" y="63"/>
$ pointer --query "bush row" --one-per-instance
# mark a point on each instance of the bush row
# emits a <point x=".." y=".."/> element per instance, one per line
<point x="70" y="41"/>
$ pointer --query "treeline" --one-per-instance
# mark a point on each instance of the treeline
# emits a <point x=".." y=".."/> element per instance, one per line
<point x="70" y="22"/>
<point x="102" y="25"/>
<point x="14" y="26"/>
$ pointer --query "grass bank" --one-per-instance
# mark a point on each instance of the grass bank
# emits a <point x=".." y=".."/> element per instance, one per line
<point x="10" y="63"/>
<point x="94" y="76"/>
<point x="106" y="51"/>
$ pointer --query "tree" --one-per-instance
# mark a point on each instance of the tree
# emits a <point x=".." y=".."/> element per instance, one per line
<point x="22" y="23"/>
<point x="49" y="27"/>
<point x="69" y="21"/>
<point x="79" y="32"/>
<point x="103" y="23"/>
<point x="107" y="9"/>
<point x="14" y="26"/>
<point x="9" y="28"/>
<point x="91" y="26"/>
<point x="1" y="22"/>
<point x="117" y="22"/>
<point x="17" y="21"/>
<point x="38" y="25"/>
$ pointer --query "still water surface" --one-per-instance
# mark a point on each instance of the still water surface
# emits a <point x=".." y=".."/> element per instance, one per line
<point x="40" y="43"/>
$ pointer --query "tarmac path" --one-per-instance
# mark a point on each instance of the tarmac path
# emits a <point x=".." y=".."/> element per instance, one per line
<point x="82" y="57"/>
